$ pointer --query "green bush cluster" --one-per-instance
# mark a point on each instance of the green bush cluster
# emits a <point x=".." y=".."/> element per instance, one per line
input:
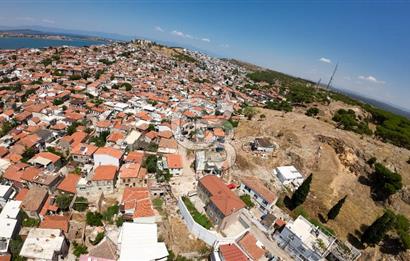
<point x="347" y="120"/>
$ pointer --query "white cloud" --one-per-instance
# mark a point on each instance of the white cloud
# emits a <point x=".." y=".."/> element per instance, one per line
<point x="225" y="45"/>
<point x="325" y="60"/>
<point x="48" y="21"/>
<point x="178" y="33"/>
<point x="26" y="18"/>
<point x="206" y="40"/>
<point x="189" y="36"/>
<point x="370" y="79"/>
<point x="158" y="28"/>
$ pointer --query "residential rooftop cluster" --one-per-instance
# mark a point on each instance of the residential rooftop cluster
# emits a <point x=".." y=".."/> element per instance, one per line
<point x="97" y="142"/>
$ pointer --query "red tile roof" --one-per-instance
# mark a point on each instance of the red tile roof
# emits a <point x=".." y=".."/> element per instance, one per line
<point x="56" y="222"/>
<point x="257" y="186"/>
<point x="69" y="183"/>
<point x="232" y="252"/>
<point x="223" y="198"/>
<point x="110" y="151"/>
<point x="137" y="199"/>
<point x="248" y="243"/>
<point x="104" y="172"/>
<point x="174" y="161"/>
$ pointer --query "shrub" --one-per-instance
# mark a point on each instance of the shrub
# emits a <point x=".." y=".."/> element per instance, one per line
<point x="312" y="112"/>
<point x="201" y="219"/>
<point x="63" y="201"/>
<point x="247" y="200"/>
<point x="94" y="219"/>
<point x="97" y="239"/>
<point x="79" y="249"/>
<point x="80" y="204"/>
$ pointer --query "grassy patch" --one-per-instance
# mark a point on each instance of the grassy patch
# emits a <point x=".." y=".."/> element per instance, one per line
<point x="247" y="200"/>
<point x="201" y="219"/>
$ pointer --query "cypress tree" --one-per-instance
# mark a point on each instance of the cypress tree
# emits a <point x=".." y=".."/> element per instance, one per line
<point x="376" y="231"/>
<point x="334" y="211"/>
<point x="299" y="196"/>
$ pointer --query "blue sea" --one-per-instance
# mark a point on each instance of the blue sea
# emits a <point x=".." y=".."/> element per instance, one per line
<point x="16" y="43"/>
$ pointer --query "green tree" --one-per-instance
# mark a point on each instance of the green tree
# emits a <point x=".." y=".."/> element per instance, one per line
<point x="57" y="102"/>
<point x="334" y="211"/>
<point x="94" y="219"/>
<point x="63" y="201"/>
<point x="15" y="247"/>
<point x="79" y="249"/>
<point x="385" y="182"/>
<point x="28" y="154"/>
<point x="300" y="195"/>
<point x="376" y="231"/>
<point x="249" y="112"/>
<point x="150" y="163"/>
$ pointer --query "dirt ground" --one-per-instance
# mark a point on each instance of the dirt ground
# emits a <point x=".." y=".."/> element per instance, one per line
<point x="314" y="146"/>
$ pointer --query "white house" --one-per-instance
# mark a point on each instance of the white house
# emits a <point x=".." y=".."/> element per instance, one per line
<point x="45" y="244"/>
<point x="289" y="176"/>
<point x="140" y="242"/>
<point x="6" y="192"/>
<point x="259" y="193"/>
<point x="304" y="241"/>
<point x="9" y="223"/>
<point x="107" y="156"/>
<point x="263" y="145"/>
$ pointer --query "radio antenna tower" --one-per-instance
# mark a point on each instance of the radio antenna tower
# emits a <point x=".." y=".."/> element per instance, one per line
<point x="333" y="75"/>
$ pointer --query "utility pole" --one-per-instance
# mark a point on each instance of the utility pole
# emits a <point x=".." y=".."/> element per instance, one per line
<point x="331" y="78"/>
<point x="318" y="83"/>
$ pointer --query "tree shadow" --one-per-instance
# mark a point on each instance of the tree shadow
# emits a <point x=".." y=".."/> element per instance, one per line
<point x="288" y="203"/>
<point x="365" y="181"/>
<point x="322" y="218"/>
<point x="355" y="241"/>
<point x="391" y="246"/>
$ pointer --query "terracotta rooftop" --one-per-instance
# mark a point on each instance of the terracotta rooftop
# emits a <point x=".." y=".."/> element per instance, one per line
<point x="222" y="197"/>
<point x="104" y="172"/>
<point x="137" y="199"/>
<point x="69" y="183"/>
<point x="174" y="161"/>
<point x="135" y="156"/>
<point x="249" y="244"/>
<point x="231" y="252"/>
<point x="56" y="222"/>
<point x="130" y="170"/>
<point x="257" y="186"/>
<point x="110" y="151"/>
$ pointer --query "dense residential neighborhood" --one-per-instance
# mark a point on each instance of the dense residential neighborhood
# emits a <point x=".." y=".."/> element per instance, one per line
<point x="104" y="147"/>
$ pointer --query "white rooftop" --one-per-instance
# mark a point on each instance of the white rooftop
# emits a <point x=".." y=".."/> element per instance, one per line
<point x="7" y="227"/>
<point x="11" y="209"/>
<point x="4" y="189"/>
<point x="289" y="172"/>
<point x="132" y="137"/>
<point x="308" y="233"/>
<point x="42" y="243"/>
<point x="140" y="242"/>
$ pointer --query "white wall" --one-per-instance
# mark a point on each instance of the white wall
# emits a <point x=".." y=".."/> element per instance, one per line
<point x="208" y="236"/>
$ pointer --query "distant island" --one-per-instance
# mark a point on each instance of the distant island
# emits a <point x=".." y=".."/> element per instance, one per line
<point x="34" y="34"/>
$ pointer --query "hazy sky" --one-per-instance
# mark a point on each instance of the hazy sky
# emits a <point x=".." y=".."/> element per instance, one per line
<point x="369" y="39"/>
